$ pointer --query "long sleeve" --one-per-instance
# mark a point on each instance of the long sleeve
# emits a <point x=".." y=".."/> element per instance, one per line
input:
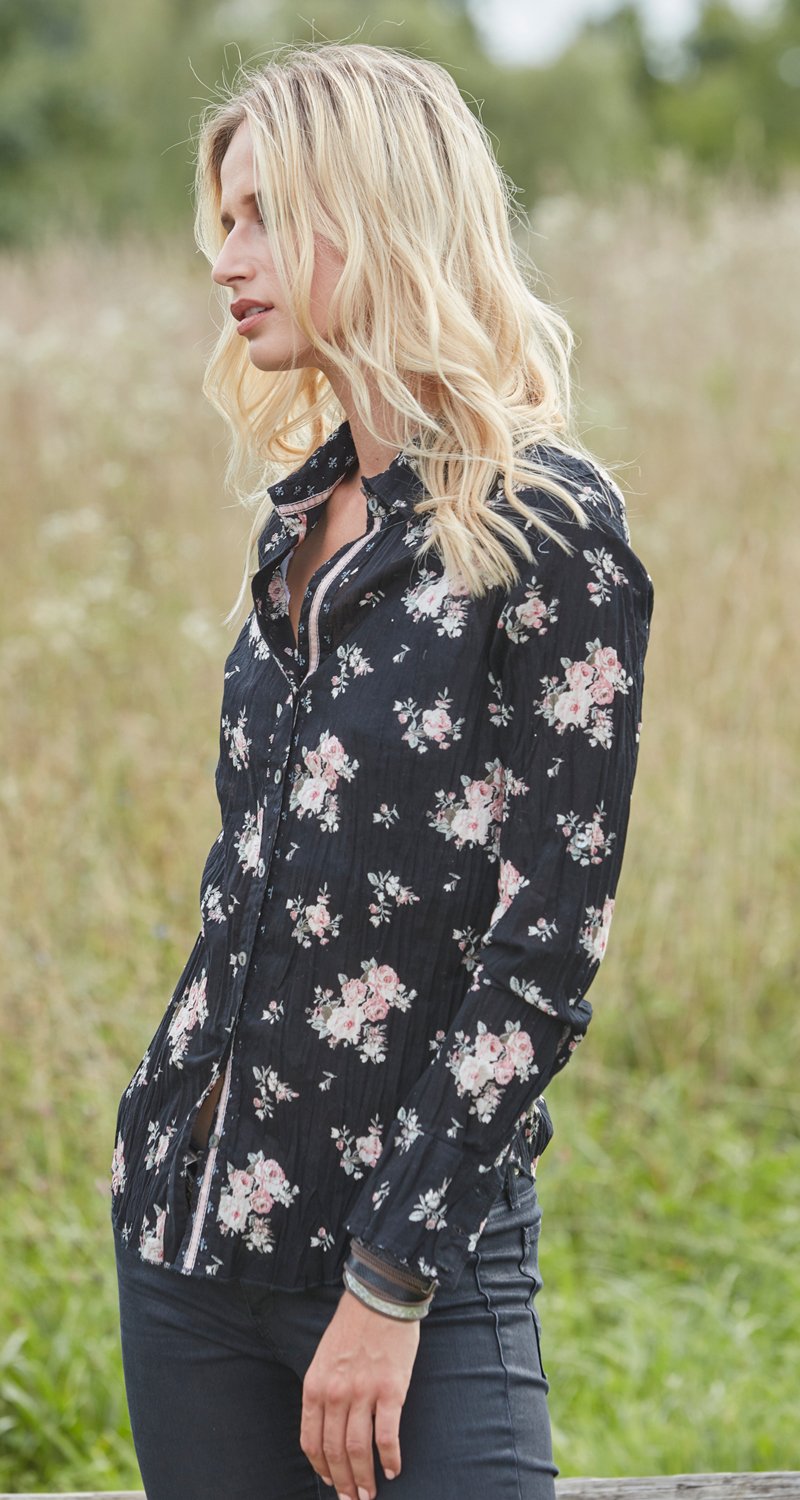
<point x="564" y="689"/>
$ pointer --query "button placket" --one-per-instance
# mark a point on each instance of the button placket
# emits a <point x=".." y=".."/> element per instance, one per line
<point x="272" y="822"/>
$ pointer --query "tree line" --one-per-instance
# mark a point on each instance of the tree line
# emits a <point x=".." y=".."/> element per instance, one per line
<point x="97" y="101"/>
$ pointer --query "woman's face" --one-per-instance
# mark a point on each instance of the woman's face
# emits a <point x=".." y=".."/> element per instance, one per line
<point x="245" y="265"/>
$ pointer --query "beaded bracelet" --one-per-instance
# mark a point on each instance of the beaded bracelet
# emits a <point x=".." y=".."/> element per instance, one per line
<point x="403" y="1310"/>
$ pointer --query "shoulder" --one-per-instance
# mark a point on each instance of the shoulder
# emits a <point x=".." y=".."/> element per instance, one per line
<point x="602" y="570"/>
<point x="586" y="481"/>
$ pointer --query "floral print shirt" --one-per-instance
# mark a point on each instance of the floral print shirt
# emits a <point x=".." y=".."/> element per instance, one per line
<point x="424" y="801"/>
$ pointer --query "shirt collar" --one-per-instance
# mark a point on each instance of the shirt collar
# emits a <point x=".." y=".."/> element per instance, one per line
<point x="395" y="489"/>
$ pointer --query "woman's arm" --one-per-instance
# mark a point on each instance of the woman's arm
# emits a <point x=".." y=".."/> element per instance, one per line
<point x="568" y="667"/>
<point x="568" y="670"/>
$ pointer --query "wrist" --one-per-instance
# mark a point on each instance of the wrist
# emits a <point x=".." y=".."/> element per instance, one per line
<point x="398" y="1311"/>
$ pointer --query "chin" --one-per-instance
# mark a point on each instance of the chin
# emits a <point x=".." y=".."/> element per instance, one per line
<point x="264" y="361"/>
<point x="270" y="356"/>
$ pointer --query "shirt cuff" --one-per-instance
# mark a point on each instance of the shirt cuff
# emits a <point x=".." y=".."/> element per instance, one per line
<point x="386" y="1273"/>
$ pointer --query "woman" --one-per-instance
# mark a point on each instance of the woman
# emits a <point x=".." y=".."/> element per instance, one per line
<point x="429" y="733"/>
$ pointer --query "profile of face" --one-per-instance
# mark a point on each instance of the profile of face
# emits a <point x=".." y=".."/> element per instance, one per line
<point x="245" y="265"/>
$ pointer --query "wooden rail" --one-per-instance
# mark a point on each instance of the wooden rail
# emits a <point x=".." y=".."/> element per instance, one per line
<point x="781" y="1484"/>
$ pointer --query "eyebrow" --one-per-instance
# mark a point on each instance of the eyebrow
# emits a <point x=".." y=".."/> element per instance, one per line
<point x="225" y="218"/>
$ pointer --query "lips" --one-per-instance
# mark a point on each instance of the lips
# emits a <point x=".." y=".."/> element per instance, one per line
<point x="246" y="306"/>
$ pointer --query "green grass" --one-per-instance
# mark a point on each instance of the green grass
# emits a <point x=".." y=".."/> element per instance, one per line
<point x="671" y="1216"/>
<point x="671" y="1299"/>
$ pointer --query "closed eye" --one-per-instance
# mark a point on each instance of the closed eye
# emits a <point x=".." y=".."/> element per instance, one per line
<point x="227" y="222"/>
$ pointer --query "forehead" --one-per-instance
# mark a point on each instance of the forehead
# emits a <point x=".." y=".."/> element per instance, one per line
<point x="236" y="169"/>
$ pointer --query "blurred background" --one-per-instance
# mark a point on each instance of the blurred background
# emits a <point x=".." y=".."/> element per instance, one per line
<point x="655" y="149"/>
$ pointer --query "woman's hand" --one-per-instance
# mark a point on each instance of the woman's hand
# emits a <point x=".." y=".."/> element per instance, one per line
<point x="362" y="1367"/>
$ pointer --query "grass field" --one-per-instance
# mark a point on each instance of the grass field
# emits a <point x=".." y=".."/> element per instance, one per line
<point x="671" y="1213"/>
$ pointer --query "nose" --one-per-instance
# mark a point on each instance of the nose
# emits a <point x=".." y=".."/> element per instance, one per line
<point x="230" y="265"/>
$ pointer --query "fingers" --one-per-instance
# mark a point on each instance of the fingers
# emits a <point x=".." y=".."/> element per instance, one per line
<point x="334" y="1443"/>
<point x="359" y="1451"/>
<point x="387" y="1435"/>
<point x="338" y="1441"/>
<point x="311" y="1428"/>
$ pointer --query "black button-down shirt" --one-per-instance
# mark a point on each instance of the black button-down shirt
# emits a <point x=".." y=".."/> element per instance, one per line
<point x="424" y="803"/>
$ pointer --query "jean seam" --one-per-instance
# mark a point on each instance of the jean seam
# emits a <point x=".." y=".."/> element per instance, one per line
<point x="498" y="1337"/>
<point x="262" y="1331"/>
<point x="530" y="1235"/>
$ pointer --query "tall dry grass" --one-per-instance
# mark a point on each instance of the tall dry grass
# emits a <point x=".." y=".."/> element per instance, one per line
<point x="671" y="1215"/>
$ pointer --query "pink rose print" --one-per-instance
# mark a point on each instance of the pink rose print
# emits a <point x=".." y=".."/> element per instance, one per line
<point x="607" y="574"/>
<point x="483" y="1067"/>
<point x="191" y="1012"/>
<point x="579" y="673"/>
<point x="353" y="990"/>
<point x="353" y="664"/>
<point x="488" y="1047"/>
<point x="607" y="660"/>
<point x="510" y="882"/>
<point x="258" y="645"/>
<point x="369" y="1148"/>
<point x="271" y="1091"/>
<point x="437" y="724"/>
<point x="314" y="788"/>
<point x="277" y="593"/>
<point x="376" y="1007"/>
<point x="383" y="980"/>
<point x="428" y="725"/>
<point x="314" y="920"/>
<point x="582" y="700"/>
<point x="151" y="1240"/>
<point x="118" y="1166"/>
<point x="250" y="1197"/>
<point x="332" y="754"/>
<point x="356" y="1016"/>
<point x="594" y="935"/>
<point x="477" y="819"/>
<point x="531" y="617"/>
<point x="440" y="598"/>
<point x="355" y="1154"/>
<point x="588" y="843"/>
<point x="602" y="689"/>
<point x="389" y="894"/>
<point x="248" y="842"/>
<point x="237" y="741"/>
<point x="157" y="1143"/>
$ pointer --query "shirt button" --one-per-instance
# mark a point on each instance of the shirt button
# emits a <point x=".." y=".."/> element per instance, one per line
<point x="278" y="774"/>
<point x="243" y="958"/>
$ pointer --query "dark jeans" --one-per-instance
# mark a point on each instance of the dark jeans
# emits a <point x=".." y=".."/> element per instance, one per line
<point x="214" y="1374"/>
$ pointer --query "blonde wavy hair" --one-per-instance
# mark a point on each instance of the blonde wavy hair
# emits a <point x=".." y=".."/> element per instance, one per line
<point x="376" y="150"/>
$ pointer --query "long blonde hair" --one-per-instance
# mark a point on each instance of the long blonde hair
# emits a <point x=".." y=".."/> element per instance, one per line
<point x="376" y="150"/>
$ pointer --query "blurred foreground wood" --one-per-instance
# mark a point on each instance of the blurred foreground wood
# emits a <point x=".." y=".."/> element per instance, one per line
<point x="783" y="1484"/>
